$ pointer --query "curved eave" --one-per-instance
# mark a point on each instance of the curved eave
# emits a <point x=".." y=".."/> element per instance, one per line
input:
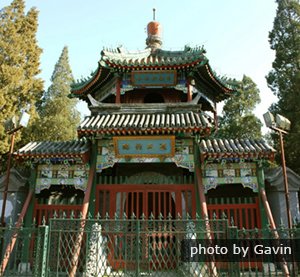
<point x="211" y="85"/>
<point x="217" y="81"/>
<point x="101" y="75"/>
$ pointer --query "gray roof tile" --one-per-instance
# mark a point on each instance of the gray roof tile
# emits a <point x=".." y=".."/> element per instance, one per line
<point x="145" y="122"/>
<point x="53" y="149"/>
<point x="217" y="148"/>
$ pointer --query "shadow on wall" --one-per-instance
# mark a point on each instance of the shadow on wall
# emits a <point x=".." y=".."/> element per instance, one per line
<point x="16" y="194"/>
<point x="276" y="194"/>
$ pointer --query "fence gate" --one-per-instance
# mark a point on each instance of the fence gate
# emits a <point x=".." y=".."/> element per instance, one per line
<point x="47" y="251"/>
<point x="134" y="247"/>
<point x="146" y="202"/>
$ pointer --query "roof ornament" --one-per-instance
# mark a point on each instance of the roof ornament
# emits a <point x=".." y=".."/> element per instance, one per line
<point x="196" y="99"/>
<point x="154" y="40"/>
<point x="93" y="101"/>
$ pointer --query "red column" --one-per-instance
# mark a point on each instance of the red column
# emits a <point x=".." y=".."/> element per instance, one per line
<point x="189" y="90"/>
<point x="84" y="213"/>
<point x="10" y="247"/>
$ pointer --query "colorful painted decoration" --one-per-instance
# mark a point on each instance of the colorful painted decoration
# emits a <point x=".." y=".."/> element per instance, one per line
<point x="183" y="152"/>
<point x="215" y="174"/>
<point x="62" y="174"/>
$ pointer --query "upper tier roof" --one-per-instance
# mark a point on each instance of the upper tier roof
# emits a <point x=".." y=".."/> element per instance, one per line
<point x="190" y="60"/>
<point x="123" y="59"/>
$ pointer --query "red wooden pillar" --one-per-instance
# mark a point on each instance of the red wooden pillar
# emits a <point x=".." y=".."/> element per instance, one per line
<point x="118" y="90"/>
<point x="10" y="247"/>
<point x="189" y="90"/>
<point x="84" y="213"/>
<point x="198" y="171"/>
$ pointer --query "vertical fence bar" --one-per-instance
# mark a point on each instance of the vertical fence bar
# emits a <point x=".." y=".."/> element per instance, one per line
<point x="137" y="247"/>
<point x="38" y="259"/>
<point x="234" y="266"/>
<point x="44" y="244"/>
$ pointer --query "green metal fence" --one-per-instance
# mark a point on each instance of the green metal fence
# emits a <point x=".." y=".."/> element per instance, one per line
<point x="126" y="247"/>
<point x="26" y="256"/>
<point x="131" y="247"/>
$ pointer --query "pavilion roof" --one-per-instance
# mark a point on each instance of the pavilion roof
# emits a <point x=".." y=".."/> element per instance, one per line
<point x="191" y="60"/>
<point x="235" y="148"/>
<point x="54" y="149"/>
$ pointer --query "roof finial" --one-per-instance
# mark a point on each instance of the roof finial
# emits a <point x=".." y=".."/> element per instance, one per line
<point x="153" y="40"/>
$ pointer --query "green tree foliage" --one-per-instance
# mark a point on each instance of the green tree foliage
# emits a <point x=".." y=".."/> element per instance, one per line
<point x="19" y="64"/>
<point x="284" y="78"/>
<point x="59" y="117"/>
<point x="238" y="119"/>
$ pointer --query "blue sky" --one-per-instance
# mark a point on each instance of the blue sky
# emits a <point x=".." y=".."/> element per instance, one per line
<point x="233" y="32"/>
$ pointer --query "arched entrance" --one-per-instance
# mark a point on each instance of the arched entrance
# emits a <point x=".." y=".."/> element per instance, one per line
<point x="145" y="196"/>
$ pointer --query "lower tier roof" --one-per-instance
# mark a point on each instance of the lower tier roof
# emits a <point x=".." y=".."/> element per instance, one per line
<point x="54" y="149"/>
<point x="146" y="123"/>
<point x="209" y="148"/>
<point x="235" y="148"/>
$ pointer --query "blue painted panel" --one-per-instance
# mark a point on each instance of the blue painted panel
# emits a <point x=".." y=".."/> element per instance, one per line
<point x="154" y="78"/>
<point x="144" y="146"/>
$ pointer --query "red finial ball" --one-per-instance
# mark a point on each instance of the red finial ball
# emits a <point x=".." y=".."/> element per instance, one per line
<point x="154" y="28"/>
